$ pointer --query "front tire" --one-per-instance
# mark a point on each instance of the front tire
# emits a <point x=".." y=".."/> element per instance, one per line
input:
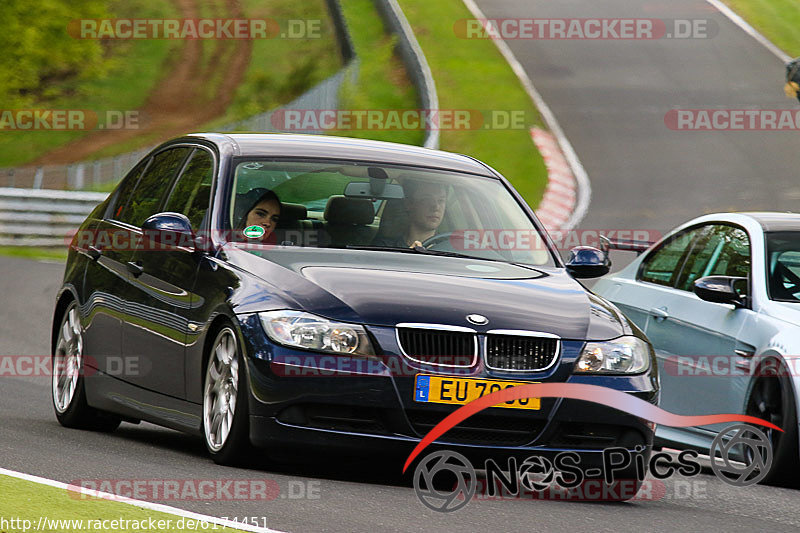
<point x="225" y="414"/>
<point x="68" y="390"/>
<point x="772" y="399"/>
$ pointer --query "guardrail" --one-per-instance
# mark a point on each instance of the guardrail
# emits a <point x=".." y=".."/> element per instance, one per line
<point x="415" y="62"/>
<point x="30" y="217"/>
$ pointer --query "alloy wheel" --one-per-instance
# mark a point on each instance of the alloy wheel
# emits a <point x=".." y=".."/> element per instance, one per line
<point x="67" y="360"/>
<point x="221" y="388"/>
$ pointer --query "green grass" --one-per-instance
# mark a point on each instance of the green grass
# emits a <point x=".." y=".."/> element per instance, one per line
<point x="134" y="68"/>
<point x="26" y="500"/>
<point x="382" y="81"/>
<point x="778" y="20"/>
<point x="281" y="69"/>
<point x="473" y="75"/>
<point x="48" y="254"/>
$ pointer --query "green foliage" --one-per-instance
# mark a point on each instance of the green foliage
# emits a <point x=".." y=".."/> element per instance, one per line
<point x="38" y="50"/>
<point x="120" y="79"/>
<point x="281" y="69"/>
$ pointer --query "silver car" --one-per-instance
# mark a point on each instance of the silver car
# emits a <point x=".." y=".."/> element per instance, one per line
<point x="719" y="298"/>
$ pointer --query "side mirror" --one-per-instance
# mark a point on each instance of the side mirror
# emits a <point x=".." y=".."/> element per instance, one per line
<point x="169" y="230"/>
<point x="719" y="289"/>
<point x="587" y="262"/>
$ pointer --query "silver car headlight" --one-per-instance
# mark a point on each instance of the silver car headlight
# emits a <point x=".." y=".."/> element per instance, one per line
<point x="298" y="329"/>
<point x="625" y="355"/>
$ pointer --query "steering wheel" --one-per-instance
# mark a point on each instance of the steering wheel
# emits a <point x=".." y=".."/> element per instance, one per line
<point x="447" y="237"/>
<point x="436" y="239"/>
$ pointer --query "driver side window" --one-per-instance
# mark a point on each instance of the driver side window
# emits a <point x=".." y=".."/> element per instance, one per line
<point x="721" y="251"/>
<point x="664" y="265"/>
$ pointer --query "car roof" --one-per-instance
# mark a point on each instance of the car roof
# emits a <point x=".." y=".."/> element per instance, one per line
<point x="775" y="221"/>
<point x="330" y="147"/>
<point x="766" y="220"/>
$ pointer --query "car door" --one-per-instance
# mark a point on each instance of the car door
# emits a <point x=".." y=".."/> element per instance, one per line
<point x="106" y="278"/>
<point x="642" y="300"/>
<point x="697" y="339"/>
<point x="152" y="333"/>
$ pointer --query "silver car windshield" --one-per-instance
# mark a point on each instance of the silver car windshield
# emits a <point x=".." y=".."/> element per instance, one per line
<point x="382" y="208"/>
<point x="783" y="255"/>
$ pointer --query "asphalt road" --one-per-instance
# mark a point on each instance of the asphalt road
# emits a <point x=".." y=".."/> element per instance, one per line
<point x="610" y="98"/>
<point x="347" y="495"/>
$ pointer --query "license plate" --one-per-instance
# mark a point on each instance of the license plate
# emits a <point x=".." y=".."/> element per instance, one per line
<point x="459" y="391"/>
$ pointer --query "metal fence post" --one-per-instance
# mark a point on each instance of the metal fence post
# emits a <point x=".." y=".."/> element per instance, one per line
<point x="38" y="178"/>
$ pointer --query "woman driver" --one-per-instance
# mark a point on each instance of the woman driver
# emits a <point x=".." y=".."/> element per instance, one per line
<point x="265" y="211"/>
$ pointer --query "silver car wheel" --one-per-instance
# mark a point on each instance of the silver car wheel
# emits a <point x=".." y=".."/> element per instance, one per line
<point x="67" y="360"/>
<point x="221" y="388"/>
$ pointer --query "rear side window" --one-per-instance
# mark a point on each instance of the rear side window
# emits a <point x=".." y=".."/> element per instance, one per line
<point x="191" y="193"/>
<point x="152" y="187"/>
<point x="664" y="264"/>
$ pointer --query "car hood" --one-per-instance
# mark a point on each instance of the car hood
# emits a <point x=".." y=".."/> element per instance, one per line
<point x="385" y="289"/>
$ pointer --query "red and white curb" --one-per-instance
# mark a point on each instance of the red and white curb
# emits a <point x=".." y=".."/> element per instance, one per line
<point x="560" y="195"/>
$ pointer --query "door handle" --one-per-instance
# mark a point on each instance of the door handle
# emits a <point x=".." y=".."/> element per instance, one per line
<point x="659" y="313"/>
<point x="135" y="268"/>
<point x="94" y="252"/>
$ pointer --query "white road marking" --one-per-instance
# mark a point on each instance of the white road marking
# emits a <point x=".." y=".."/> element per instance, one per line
<point x="581" y="178"/>
<point x="138" y="503"/>
<point x="743" y="24"/>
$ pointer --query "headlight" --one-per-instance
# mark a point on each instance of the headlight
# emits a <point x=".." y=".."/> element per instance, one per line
<point x="625" y="355"/>
<point x="310" y="332"/>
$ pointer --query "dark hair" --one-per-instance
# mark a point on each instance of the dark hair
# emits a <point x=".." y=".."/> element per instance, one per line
<point x="412" y="185"/>
<point x="252" y="198"/>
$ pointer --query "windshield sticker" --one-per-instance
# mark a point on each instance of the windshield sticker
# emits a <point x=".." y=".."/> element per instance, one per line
<point x="253" y="232"/>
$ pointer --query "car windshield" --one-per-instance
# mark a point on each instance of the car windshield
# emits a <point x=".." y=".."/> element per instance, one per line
<point x="384" y="208"/>
<point x="783" y="256"/>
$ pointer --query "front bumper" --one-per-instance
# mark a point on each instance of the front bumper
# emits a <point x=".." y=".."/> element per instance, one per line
<point x="298" y="399"/>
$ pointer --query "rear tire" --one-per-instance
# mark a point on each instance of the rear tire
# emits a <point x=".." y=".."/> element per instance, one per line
<point x="772" y="399"/>
<point x="68" y="390"/>
<point x="225" y="415"/>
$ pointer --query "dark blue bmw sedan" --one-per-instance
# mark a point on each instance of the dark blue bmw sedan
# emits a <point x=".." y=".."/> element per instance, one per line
<point x="286" y="290"/>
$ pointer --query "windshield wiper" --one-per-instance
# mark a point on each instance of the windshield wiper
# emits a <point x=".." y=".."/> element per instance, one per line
<point x="427" y="251"/>
<point x="383" y="248"/>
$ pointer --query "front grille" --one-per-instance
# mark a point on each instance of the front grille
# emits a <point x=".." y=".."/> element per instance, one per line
<point x="438" y="347"/>
<point x="512" y="352"/>
<point x="481" y="429"/>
